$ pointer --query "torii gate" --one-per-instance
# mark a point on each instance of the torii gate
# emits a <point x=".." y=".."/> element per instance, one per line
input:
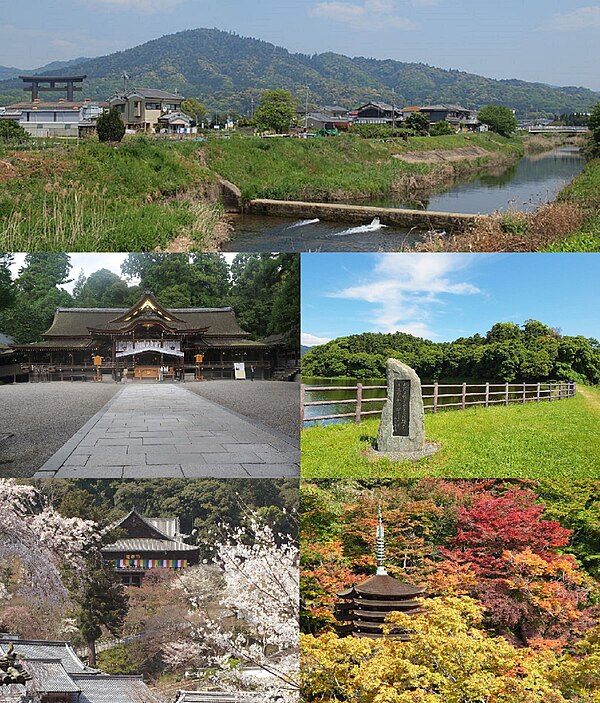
<point x="52" y="84"/>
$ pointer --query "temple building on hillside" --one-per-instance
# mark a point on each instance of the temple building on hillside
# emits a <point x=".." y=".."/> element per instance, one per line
<point x="148" y="543"/>
<point x="147" y="341"/>
<point x="362" y="609"/>
<point x="55" y="674"/>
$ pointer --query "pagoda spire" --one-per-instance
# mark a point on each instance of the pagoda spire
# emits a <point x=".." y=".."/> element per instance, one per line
<point x="381" y="570"/>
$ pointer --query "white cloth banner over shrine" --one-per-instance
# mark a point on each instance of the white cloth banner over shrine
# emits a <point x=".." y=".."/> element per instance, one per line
<point x="130" y="348"/>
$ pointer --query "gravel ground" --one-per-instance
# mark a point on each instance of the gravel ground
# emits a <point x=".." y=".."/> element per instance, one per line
<point x="275" y="404"/>
<point x="42" y="417"/>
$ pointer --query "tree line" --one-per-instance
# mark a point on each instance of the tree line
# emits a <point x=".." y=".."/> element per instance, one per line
<point x="507" y="352"/>
<point x="263" y="289"/>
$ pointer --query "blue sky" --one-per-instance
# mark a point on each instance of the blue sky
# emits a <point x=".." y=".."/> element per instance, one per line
<point x="445" y="296"/>
<point x="553" y="41"/>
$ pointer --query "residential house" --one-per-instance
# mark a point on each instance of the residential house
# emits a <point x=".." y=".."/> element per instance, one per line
<point x="377" y="113"/>
<point x="459" y="117"/>
<point x="142" y="108"/>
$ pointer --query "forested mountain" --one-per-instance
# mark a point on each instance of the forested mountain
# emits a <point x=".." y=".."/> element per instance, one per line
<point x="225" y="71"/>
<point x="7" y="72"/>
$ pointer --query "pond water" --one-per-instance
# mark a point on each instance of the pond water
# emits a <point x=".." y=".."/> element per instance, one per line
<point x="533" y="181"/>
<point x="452" y="395"/>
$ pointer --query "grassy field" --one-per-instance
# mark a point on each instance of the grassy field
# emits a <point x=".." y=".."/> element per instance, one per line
<point x="585" y="191"/>
<point x="534" y="441"/>
<point x="343" y="166"/>
<point x="101" y="197"/>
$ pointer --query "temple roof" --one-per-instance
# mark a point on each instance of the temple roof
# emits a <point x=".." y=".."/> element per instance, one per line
<point x="103" y="688"/>
<point x="47" y="650"/>
<point x="144" y="534"/>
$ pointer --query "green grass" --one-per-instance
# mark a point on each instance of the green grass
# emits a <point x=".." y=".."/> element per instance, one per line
<point x="585" y="189"/>
<point x="333" y="168"/>
<point x="533" y="441"/>
<point x="100" y="197"/>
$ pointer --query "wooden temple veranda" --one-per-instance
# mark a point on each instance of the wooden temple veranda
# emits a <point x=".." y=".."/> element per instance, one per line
<point x="144" y="342"/>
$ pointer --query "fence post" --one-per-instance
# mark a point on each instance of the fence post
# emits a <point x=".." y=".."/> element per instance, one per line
<point x="539" y="391"/>
<point x="487" y="394"/>
<point x="464" y="396"/>
<point x="506" y="393"/>
<point x="359" y="397"/>
<point x="524" y="392"/>
<point x="550" y="390"/>
<point x="302" y="394"/>
<point x="436" y="391"/>
<point x="574" y="388"/>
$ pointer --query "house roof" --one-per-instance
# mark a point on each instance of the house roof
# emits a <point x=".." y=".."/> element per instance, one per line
<point x="441" y="107"/>
<point x="149" y="94"/>
<point x="47" y="106"/>
<point x="102" y="688"/>
<point x="176" y="116"/>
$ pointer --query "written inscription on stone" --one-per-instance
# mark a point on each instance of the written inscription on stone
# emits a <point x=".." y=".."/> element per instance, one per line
<point x="401" y="408"/>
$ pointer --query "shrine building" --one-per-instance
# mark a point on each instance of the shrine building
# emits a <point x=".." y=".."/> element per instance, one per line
<point x="148" y="543"/>
<point x="363" y="608"/>
<point x="146" y="341"/>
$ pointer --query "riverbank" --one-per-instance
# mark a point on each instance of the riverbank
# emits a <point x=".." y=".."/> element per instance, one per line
<point x="525" y="441"/>
<point x="139" y="195"/>
<point x="348" y="167"/>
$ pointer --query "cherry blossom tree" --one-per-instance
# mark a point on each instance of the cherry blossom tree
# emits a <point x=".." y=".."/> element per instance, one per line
<point x="255" y="626"/>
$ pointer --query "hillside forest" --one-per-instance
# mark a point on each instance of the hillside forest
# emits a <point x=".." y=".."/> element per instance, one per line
<point x="507" y="352"/>
<point x="263" y="289"/>
<point x="226" y="71"/>
<point x="511" y="580"/>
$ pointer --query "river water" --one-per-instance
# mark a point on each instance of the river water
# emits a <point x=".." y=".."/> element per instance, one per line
<point x="533" y="181"/>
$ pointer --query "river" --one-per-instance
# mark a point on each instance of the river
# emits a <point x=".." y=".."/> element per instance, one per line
<point x="533" y="181"/>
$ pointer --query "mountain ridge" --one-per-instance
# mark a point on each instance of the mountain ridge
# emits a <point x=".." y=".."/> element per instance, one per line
<point x="227" y="71"/>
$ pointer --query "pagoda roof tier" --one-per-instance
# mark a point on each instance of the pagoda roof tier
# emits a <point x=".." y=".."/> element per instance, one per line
<point x="382" y="586"/>
<point x="350" y="603"/>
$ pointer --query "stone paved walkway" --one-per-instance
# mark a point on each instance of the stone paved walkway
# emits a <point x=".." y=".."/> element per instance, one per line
<point x="156" y="431"/>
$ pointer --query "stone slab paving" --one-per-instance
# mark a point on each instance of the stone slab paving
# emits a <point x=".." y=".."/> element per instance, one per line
<point x="166" y="431"/>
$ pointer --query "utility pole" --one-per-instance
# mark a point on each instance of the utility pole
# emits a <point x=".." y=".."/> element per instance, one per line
<point x="393" y="108"/>
<point x="306" y="112"/>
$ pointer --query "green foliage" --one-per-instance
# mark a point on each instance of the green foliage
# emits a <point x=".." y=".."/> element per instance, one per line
<point x="507" y="353"/>
<point x="276" y="111"/>
<point x="225" y="70"/>
<point x="194" y="108"/>
<point x="594" y="125"/>
<point x="12" y="133"/>
<point x="7" y="291"/>
<point x="379" y="131"/>
<point x="441" y="128"/>
<point x="419" y="123"/>
<point x="110" y="126"/>
<point x="122" y="660"/>
<point x="499" y="119"/>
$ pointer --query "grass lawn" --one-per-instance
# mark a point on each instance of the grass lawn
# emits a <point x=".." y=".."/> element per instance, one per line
<point x="560" y="439"/>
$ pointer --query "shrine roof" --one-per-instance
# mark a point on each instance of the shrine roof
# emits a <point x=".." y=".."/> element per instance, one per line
<point x="49" y="676"/>
<point x="145" y="544"/>
<point x="144" y="534"/>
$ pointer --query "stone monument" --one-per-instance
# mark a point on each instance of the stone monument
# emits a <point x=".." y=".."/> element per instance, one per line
<point x="402" y="429"/>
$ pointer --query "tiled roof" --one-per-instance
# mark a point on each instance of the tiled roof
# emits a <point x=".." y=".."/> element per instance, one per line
<point x="49" y="676"/>
<point x="53" y="650"/>
<point x="103" y="688"/>
<point x="213" y="697"/>
<point x="145" y="544"/>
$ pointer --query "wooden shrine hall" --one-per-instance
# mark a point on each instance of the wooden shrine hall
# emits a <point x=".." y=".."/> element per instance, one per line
<point x="362" y="609"/>
<point x="148" y="543"/>
<point x="146" y="341"/>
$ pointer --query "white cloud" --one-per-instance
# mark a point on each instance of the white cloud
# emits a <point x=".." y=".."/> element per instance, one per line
<point x="581" y="18"/>
<point x="368" y="14"/>
<point x="310" y="340"/>
<point x="404" y="288"/>
<point x="145" y="6"/>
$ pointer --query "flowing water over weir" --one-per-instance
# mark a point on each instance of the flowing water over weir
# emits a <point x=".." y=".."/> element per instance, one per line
<point x="533" y="181"/>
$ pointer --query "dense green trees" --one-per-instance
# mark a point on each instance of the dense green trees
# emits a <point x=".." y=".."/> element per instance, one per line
<point x="110" y="126"/>
<point x="276" y="112"/>
<point x="499" y="119"/>
<point x="12" y="133"/>
<point x="263" y="289"/>
<point x="419" y="123"/>
<point x="507" y="353"/>
<point x="594" y="125"/>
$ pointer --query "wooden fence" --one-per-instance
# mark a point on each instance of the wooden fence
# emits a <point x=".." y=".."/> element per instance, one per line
<point x="442" y="396"/>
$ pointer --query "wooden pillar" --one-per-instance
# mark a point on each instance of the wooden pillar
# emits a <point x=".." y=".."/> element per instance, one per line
<point x="302" y="397"/>
<point x="464" y="396"/>
<point x="436" y="392"/>
<point x="506" y="394"/>
<point x="487" y="394"/>
<point x="359" y="398"/>
<point x="524" y="392"/>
